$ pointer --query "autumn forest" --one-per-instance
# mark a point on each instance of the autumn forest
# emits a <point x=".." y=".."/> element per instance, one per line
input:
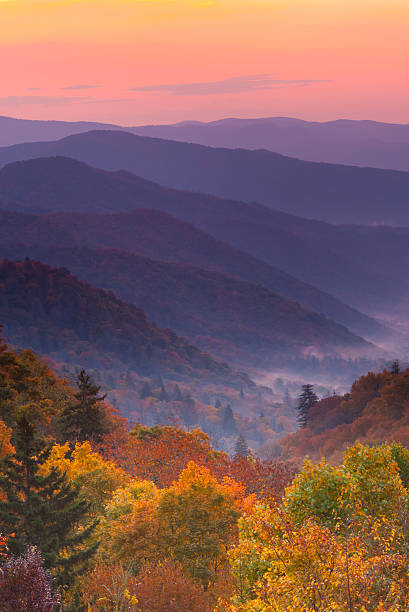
<point x="204" y="292"/>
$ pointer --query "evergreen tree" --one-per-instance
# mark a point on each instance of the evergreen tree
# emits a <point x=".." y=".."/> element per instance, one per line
<point x="306" y="401"/>
<point x="163" y="395"/>
<point x="229" y="424"/>
<point x="86" y="418"/>
<point x="177" y="395"/>
<point x="241" y="448"/>
<point x="42" y="510"/>
<point x="395" y="367"/>
<point x="241" y="393"/>
<point x="287" y="399"/>
<point x="146" y="391"/>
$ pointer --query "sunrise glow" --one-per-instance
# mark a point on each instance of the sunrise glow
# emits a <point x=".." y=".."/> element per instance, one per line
<point x="139" y="61"/>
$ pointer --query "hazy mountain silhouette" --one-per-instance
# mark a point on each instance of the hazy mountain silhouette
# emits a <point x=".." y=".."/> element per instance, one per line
<point x="329" y="192"/>
<point x="235" y="320"/>
<point x="157" y="235"/>
<point x="364" y="266"/>
<point x="52" y="312"/>
<point x="344" y="141"/>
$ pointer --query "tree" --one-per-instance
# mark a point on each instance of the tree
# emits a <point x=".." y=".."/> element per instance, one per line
<point x="177" y="395"/>
<point x="25" y="586"/>
<point x="306" y="401"/>
<point x="338" y="542"/>
<point x="86" y="419"/>
<point x="229" y="424"/>
<point x="241" y="448"/>
<point x="198" y="520"/>
<point x="42" y="510"/>
<point x="146" y="391"/>
<point x="395" y="367"/>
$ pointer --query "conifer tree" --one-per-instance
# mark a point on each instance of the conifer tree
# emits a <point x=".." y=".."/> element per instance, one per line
<point x="146" y="391"/>
<point x="395" y="367"/>
<point x="85" y="419"/>
<point x="306" y="401"/>
<point x="241" y="448"/>
<point x="163" y="395"/>
<point x="229" y="424"/>
<point x="177" y="395"/>
<point x="42" y="510"/>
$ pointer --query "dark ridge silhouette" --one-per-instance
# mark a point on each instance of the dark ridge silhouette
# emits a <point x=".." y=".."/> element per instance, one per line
<point x="363" y="266"/>
<point x="344" y="141"/>
<point x="329" y="192"/>
<point x="234" y="320"/>
<point x="49" y="310"/>
<point x="157" y="235"/>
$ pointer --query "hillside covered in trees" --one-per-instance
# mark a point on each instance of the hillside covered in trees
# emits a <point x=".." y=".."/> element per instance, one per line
<point x="54" y="313"/>
<point x="152" y="375"/>
<point x="101" y="516"/>
<point x="234" y="320"/>
<point x="374" y="411"/>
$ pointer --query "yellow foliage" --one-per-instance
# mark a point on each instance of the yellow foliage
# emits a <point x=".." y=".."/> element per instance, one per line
<point x="96" y="477"/>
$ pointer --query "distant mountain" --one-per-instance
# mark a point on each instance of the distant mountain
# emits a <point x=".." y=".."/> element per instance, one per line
<point x="16" y="131"/>
<point x="235" y="320"/>
<point x="50" y="311"/>
<point x="355" y="143"/>
<point x="329" y="192"/>
<point x="325" y="256"/>
<point x="157" y="235"/>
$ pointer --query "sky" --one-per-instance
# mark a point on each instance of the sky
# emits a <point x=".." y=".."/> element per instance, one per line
<point x="160" y="61"/>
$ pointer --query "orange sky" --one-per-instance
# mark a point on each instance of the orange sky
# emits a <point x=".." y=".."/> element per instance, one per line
<point x="142" y="61"/>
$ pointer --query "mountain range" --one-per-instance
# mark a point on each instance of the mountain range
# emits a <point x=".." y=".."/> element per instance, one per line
<point x="358" y="265"/>
<point x="52" y="312"/>
<point x="234" y="320"/>
<point x="343" y="141"/>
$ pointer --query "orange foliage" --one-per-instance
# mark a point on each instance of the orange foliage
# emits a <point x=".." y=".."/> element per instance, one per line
<point x="375" y="411"/>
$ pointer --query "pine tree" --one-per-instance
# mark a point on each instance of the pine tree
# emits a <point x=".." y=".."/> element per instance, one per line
<point x="395" y="367"/>
<point x="241" y="448"/>
<point x="229" y="424"/>
<point x="42" y="510"/>
<point x="177" y="395"/>
<point x="146" y="391"/>
<point x="85" y="419"/>
<point x="163" y="395"/>
<point x="306" y="401"/>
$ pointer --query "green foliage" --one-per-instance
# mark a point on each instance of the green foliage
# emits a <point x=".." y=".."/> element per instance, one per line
<point x="306" y="401"/>
<point x="85" y="419"/>
<point x="43" y="510"/>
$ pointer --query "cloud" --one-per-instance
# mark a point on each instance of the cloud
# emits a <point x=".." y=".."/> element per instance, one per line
<point x="29" y="100"/>
<point x="16" y="101"/>
<point x="78" y="87"/>
<point x="239" y="84"/>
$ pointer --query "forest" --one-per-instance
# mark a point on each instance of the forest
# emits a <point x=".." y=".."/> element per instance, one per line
<point x="98" y="514"/>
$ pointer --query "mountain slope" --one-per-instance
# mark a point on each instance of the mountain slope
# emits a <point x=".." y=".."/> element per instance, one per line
<point x="157" y="235"/>
<point x="52" y="312"/>
<point x="333" y="193"/>
<point x="234" y="320"/>
<point x="326" y="256"/>
<point x="355" y="143"/>
<point x="374" y="412"/>
<point x="17" y="131"/>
